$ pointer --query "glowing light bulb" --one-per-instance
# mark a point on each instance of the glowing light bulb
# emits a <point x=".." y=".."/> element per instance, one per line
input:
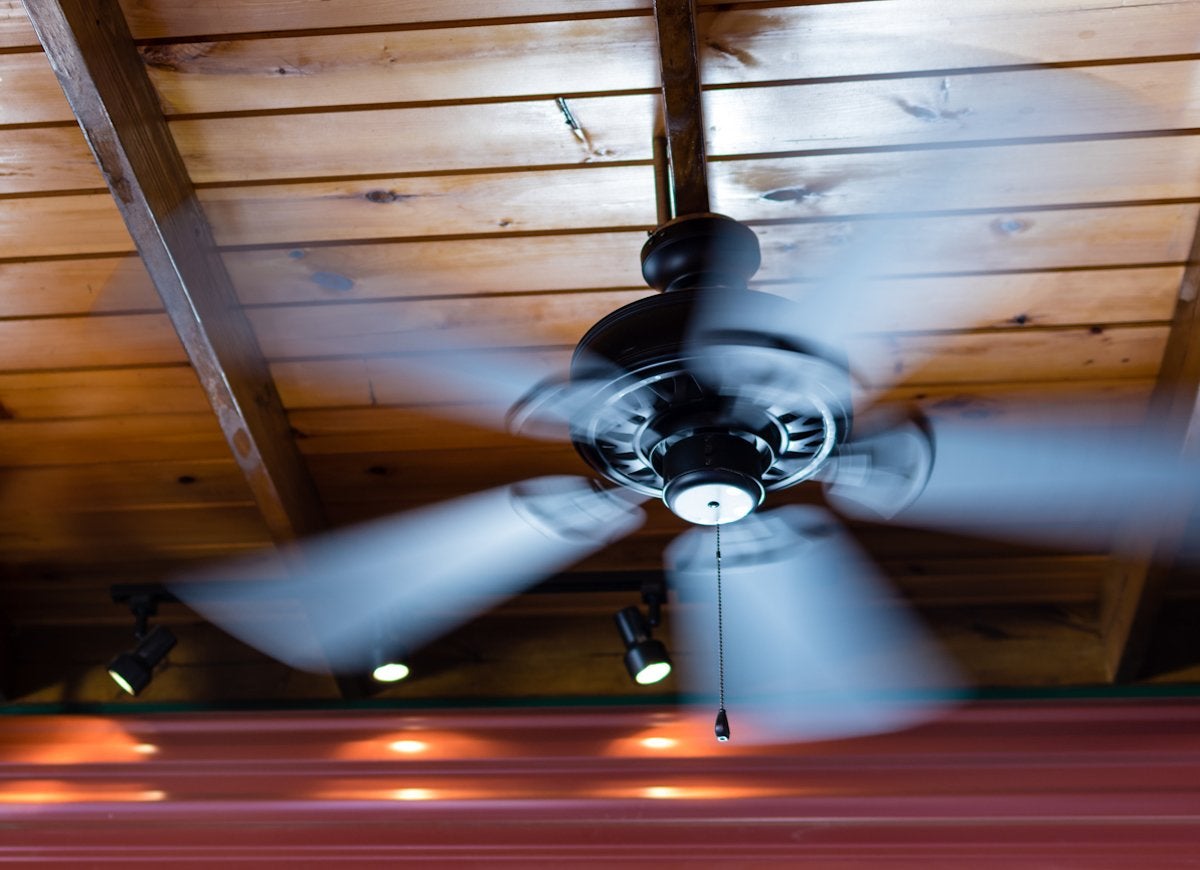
<point x="653" y="673"/>
<point x="390" y="672"/>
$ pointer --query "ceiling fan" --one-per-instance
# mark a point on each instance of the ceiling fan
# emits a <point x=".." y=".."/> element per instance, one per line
<point x="711" y="396"/>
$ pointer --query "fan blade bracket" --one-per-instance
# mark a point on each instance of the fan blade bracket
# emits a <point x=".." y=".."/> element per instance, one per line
<point x="577" y="510"/>
<point x="878" y="476"/>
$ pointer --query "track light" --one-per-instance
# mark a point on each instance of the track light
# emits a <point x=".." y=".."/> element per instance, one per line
<point x="646" y="659"/>
<point x="133" y="670"/>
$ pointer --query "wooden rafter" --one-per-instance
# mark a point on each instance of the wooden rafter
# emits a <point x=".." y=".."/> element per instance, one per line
<point x="1141" y="571"/>
<point x="93" y="55"/>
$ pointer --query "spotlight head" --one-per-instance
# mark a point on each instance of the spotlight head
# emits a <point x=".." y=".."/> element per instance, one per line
<point x="646" y="659"/>
<point x="648" y="662"/>
<point x="129" y="672"/>
<point x="133" y="670"/>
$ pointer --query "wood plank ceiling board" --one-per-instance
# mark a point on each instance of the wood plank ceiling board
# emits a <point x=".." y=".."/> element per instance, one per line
<point x="42" y="159"/>
<point x="166" y="19"/>
<point x="76" y="286"/>
<point x="404" y="66"/>
<point x="441" y="138"/>
<point x="759" y="120"/>
<point x="91" y="392"/>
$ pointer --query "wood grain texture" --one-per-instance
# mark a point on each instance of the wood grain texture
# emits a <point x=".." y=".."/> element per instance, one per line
<point x="772" y="189"/>
<point x="576" y="57"/>
<point x="91" y="440"/>
<point x="153" y="534"/>
<point x="76" y="286"/>
<point x="81" y="342"/>
<point x="791" y="253"/>
<point x="569" y="57"/>
<point x="604" y="196"/>
<point x="800" y="41"/>
<point x="1054" y="354"/>
<point x="31" y="93"/>
<point x="764" y="119"/>
<point x="41" y="159"/>
<point x="126" y="486"/>
<point x="874" y="113"/>
<point x="62" y="226"/>
<point x="416" y="140"/>
<point x="1010" y="239"/>
<point x="991" y="178"/>
<point x="15" y="29"/>
<point x="174" y="18"/>
<point x="101" y="393"/>
<point x="95" y="61"/>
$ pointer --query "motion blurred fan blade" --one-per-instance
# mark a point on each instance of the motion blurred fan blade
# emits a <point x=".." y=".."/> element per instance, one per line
<point x="872" y="271"/>
<point x="505" y="389"/>
<point x="321" y="606"/>
<point x="815" y="645"/>
<point x="1056" y="481"/>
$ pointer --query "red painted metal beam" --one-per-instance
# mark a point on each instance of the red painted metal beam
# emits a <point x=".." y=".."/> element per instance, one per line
<point x="1087" y="784"/>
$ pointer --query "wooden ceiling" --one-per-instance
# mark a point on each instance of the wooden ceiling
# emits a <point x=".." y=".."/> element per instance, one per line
<point x="377" y="174"/>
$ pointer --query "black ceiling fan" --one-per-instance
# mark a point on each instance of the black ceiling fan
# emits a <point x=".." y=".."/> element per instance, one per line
<point x="711" y="396"/>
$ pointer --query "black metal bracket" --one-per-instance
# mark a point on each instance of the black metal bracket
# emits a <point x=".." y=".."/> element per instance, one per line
<point x="143" y="600"/>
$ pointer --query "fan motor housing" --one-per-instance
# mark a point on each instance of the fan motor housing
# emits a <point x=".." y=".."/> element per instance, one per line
<point x="712" y="426"/>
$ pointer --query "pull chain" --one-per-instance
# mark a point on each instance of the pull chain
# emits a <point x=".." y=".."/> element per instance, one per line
<point x="722" y="725"/>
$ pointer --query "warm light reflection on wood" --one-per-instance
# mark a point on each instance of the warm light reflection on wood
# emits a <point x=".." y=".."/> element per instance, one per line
<point x="410" y="747"/>
<point x="70" y="740"/>
<point x="659" y="742"/>
<point x="419" y="744"/>
<point x="684" y="735"/>
<point x="53" y="791"/>
<point x="375" y="789"/>
<point x="415" y="794"/>
<point x="697" y="792"/>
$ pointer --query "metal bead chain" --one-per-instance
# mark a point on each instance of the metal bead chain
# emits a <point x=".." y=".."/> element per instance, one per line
<point x="720" y="624"/>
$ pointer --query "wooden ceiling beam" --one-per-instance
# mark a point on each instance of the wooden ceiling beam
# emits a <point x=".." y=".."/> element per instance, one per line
<point x="92" y="52"/>
<point x="1147" y="550"/>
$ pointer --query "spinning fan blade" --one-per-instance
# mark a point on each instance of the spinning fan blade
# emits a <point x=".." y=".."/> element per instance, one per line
<point x="322" y="606"/>
<point x="1056" y="481"/>
<point x="814" y="647"/>
<point x="504" y="389"/>
<point x="870" y="262"/>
